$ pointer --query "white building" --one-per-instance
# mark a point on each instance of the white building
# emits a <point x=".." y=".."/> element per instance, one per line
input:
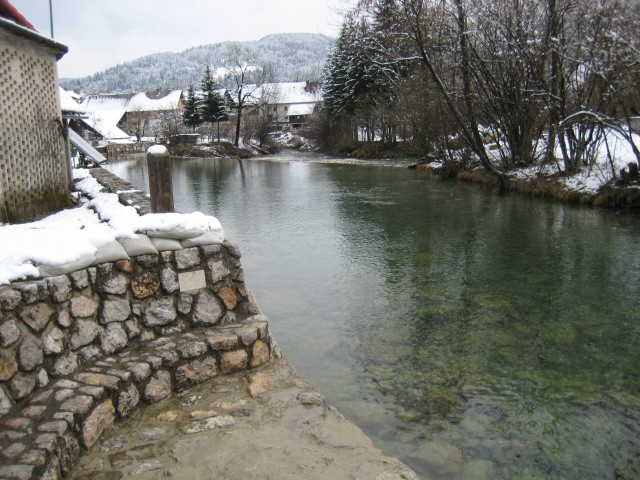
<point x="290" y="104"/>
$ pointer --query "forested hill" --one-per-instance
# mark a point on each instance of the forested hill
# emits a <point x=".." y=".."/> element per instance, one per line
<point x="294" y="57"/>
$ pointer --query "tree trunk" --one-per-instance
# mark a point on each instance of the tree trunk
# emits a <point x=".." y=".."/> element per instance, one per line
<point x="238" y="120"/>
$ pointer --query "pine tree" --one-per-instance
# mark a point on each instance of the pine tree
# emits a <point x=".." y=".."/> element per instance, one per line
<point x="213" y="103"/>
<point x="191" y="116"/>
<point x="342" y="79"/>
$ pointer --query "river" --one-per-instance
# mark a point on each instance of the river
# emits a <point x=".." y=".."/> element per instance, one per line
<point x="472" y="335"/>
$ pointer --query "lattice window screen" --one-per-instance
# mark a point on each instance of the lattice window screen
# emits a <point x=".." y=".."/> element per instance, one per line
<point x="32" y="149"/>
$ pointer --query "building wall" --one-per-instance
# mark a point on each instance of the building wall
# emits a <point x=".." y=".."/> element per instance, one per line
<point x="34" y="167"/>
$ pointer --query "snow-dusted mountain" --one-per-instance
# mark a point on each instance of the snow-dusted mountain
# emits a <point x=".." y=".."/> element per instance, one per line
<point x="293" y="56"/>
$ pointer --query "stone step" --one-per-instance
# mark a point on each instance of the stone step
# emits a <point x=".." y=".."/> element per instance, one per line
<point x="44" y="438"/>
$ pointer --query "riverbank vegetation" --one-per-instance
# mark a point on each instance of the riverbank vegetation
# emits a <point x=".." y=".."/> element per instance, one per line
<point x="532" y="92"/>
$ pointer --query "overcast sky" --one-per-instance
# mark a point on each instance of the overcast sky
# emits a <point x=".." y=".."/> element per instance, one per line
<point x="104" y="33"/>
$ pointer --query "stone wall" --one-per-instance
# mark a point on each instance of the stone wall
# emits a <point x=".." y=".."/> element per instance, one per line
<point x="81" y="350"/>
<point x="51" y="327"/>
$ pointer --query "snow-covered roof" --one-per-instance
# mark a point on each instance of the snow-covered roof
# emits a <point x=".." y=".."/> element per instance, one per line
<point x="67" y="102"/>
<point x="147" y="102"/>
<point x="134" y="102"/>
<point x="301" y="109"/>
<point x="294" y="92"/>
<point x="10" y="24"/>
<point x="289" y="93"/>
<point x="104" y="122"/>
<point x="11" y="13"/>
<point x="94" y="103"/>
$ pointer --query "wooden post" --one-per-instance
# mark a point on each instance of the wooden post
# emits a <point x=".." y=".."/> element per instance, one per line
<point x="160" y="183"/>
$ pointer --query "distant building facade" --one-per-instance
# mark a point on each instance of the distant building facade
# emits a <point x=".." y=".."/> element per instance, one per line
<point x="291" y="104"/>
<point x="35" y="172"/>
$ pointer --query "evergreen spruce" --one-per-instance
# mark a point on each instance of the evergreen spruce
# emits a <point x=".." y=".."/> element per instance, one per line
<point x="191" y="116"/>
<point x="213" y="103"/>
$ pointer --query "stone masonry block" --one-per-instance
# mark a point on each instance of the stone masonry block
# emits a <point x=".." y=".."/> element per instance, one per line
<point x="228" y="297"/>
<point x="158" y="388"/>
<point x="77" y="404"/>
<point x="145" y="285"/>
<point x="98" y="420"/>
<point x="169" y="280"/>
<point x="116" y="284"/>
<point x="127" y="401"/>
<point x="9" y="333"/>
<point x="234" y="361"/>
<point x="113" y="338"/>
<point x="98" y="380"/>
<point x="59" y="288"/>
<point x="9" y="298"/>
<point x="216" y="270"/>
<point x="65" y="365"/>
<point x="80" y="279"/>
<point x="22" y="384"/>
<point x="53" y="341"/>
<point x="187" y="258"/>
<point x="192" y="349"/>
<point x="160" y="311"/>
<point x="67" y="451"/>
<point x="248" y="334"/>
<point x="117" y="310"/>
<point x="207" y="310"/>
<point x="223" y="341"/>
<point x="83" y="307"/>
<point x="30" y="353"/>
<point x="8" y="365"/>
<point x="84" y="332"/>
<point x="195" y="372"/>
<point x="37" y="316"/>
<point x="259" y="354"/>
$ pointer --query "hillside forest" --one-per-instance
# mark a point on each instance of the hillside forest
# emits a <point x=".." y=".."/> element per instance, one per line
<point x="289" y="57"/>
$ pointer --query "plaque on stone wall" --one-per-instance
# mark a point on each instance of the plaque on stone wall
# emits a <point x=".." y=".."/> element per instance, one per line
<point x="191" y="281"/>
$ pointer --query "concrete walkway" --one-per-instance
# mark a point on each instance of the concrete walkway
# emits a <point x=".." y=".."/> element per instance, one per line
<point x="261" y="424"/>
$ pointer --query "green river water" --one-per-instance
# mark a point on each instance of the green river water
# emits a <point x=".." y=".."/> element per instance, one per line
<point x="472" y="335"/>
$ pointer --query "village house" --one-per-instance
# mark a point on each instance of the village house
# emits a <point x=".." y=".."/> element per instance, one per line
<point x="121" y="116"/>
<point x="35" y="172"/>
<point x="290" y="105"/>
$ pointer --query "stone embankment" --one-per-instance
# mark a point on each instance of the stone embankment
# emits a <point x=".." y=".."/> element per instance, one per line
<point x="83" y="349"/>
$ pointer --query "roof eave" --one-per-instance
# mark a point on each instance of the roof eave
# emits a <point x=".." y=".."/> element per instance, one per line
<point x="58" y="48"/>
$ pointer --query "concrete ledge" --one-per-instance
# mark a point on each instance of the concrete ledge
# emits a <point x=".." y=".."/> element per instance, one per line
<point x="46" y="436"/>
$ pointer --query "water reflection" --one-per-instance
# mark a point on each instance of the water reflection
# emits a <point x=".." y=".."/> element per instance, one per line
<point x="472" y="335"/>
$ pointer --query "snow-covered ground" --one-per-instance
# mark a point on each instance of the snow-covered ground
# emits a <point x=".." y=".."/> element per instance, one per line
<point x="591" y="178"/>
<point x="73" y="234"/>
